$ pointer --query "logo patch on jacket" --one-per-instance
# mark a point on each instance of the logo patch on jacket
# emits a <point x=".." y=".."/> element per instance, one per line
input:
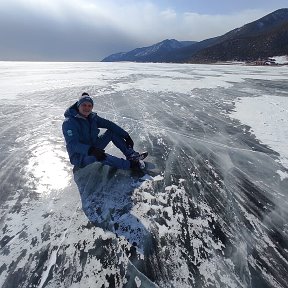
<point x="69" y="133"/>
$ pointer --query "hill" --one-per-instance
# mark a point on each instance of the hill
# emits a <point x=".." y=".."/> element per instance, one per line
<point x="260" y="39"/>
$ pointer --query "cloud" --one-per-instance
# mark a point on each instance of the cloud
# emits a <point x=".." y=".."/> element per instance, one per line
<point x="58" y="30"/>
<point x="203" y="26"/>
<point x="169" y="14"/>
<point x="87" y="30"/>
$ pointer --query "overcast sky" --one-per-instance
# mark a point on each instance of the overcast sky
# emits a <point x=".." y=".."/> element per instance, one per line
<point x="89" y="30"/>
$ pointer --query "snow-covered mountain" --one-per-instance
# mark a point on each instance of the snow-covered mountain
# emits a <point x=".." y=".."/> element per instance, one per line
<point x="150" y="53"/>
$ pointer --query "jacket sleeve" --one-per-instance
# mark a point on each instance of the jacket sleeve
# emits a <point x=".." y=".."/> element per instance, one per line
<point x="71" y="135"/>
<point x="104" y="123"/>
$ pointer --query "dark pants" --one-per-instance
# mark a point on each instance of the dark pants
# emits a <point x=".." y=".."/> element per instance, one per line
<point x="110" y="160"/>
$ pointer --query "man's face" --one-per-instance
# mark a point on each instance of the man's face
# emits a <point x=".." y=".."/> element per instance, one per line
<point x="85" y="108"/>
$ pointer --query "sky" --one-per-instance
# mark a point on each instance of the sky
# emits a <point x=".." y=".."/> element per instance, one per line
<point x="89" y="30"/>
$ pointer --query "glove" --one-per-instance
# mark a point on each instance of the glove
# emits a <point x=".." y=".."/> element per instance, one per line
<point x="97" y="152"/>
<point x="129" y="142"/>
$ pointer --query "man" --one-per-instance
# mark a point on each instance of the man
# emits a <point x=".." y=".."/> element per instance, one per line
<point x="85" y="145"/>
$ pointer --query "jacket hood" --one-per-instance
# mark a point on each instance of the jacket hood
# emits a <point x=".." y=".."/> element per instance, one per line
<point x="72" y="111"/>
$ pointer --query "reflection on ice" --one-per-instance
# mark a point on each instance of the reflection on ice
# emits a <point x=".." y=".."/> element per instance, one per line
<point x="47" y="168"/>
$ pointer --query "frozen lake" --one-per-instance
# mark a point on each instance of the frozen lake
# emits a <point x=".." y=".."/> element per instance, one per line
<point x="215" y="213"/>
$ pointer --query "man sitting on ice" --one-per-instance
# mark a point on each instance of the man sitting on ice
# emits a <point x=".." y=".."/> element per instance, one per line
<point x="85" y="145"/>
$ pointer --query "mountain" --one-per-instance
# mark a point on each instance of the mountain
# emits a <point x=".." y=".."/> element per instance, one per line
<point x="154" y="53"/>
<point x="263" y="38"/>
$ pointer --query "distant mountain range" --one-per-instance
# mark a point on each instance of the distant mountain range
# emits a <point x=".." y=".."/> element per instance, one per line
<point x="154" y="53"/>
<point x="263" y="38"/>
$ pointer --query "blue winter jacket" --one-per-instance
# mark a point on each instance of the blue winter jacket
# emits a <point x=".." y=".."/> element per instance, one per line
<point x="81" y="133"/>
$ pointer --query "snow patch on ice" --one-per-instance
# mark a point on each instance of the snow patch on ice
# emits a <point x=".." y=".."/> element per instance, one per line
<point x="283" y="175"/>
<point x="158" y="178"/>
<point x="146" y="177"/>
<point x="268" y="117"/>
<point x="161" y="209"/>
<point x="281" y="59"/>
<point x="137" y="281"/>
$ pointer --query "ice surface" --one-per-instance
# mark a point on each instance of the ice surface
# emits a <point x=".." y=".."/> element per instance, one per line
<point x="214" y="216"/>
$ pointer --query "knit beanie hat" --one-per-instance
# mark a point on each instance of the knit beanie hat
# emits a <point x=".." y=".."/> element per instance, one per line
<point x="84" y="98"/>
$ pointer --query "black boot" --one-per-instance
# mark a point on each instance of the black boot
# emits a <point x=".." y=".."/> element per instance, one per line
<point x="137" y="165"/>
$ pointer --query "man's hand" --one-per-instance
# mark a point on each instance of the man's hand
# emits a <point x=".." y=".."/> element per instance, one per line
<point x="97" y="152"/>
<point x="129" y="142"/>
